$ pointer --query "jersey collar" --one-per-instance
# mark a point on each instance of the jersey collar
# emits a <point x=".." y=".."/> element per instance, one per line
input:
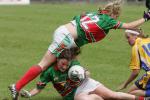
<point x="56" y="68"/>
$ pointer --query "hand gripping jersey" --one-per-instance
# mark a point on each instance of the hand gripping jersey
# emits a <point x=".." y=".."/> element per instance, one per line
<point x="93" y="27"/>
<point x="60" y="81"/>
<point x="140" y="57"/>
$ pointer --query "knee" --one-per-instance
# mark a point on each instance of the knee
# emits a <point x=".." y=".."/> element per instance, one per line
<point x="131" y="92"/>
<point x="43" y="68"/>
<point x="112" y="96"/>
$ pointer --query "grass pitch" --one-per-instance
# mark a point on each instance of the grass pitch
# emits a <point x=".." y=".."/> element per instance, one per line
<point x="26" y="32"/>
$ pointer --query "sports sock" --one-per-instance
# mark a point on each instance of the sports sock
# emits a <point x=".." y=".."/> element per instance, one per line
<point x="140" y="98"/>
<point x="32" y="73"/>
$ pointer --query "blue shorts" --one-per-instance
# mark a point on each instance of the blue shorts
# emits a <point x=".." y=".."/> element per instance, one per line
<point x="143" y="83"/>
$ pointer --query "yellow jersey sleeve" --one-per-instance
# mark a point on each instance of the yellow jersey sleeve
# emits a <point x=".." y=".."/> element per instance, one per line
<point x="135" y="60"/>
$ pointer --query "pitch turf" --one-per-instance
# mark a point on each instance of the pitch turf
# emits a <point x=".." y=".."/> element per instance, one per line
<point x="26" y="31"/>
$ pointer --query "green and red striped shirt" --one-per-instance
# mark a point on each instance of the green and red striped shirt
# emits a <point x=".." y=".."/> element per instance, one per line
<point x="65" y="87"/>
<point x="92" y="27"/>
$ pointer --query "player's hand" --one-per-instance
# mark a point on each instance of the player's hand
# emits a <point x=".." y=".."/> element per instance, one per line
<point x="146" y="15"/>
<point x="25" y="94"/>
<point x="121" y="87"/>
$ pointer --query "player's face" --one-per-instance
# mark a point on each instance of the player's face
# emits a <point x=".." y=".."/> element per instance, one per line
<point x="63" y="64"/>
<point x="131" y="39"/>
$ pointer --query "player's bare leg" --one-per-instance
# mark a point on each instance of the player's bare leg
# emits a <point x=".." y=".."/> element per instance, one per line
<point x="32" y="73"/>
<point x="111" y="95"/>
<point x="84" y="96"/>
<point x="134" y="90"/>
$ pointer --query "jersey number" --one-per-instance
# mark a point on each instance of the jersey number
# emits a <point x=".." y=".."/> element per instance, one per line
<point x="86" y="21"/>
<point x="92" y="30"/>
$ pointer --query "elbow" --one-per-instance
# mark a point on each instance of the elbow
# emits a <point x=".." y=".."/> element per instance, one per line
<point x="135" y="72"/>
<point x="126" y="26"/>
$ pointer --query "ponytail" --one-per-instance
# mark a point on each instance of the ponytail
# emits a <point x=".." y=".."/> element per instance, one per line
<point x="111" y="8"/>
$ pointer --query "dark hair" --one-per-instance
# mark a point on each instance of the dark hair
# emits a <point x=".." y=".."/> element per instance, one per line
<point x="69" y="54"/>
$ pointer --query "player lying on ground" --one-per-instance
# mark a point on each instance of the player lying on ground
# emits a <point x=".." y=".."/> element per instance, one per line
<point x="57" y="74"/>
<point x="76" y="85"/>
<point x="140" y="59"/>
<point x="86" y="28"/>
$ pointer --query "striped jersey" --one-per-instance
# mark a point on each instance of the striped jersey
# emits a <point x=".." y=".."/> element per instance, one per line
<point x="140" y="55"/>
<point x="92" y="27"/>
<point x="65" y="87"/>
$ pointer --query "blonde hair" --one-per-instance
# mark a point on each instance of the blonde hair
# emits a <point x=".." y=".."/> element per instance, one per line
<point x="112" y="8"/>
<point x="140" y="31"/>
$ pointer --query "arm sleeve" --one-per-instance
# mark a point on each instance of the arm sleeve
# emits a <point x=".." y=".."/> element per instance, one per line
<point x="135" y="60"/>
<point x="44" y="79"/>
<point x="115" y="24"/>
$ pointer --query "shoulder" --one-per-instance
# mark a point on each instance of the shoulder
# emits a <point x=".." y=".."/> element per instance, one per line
<point x="49" y="69"/>
<point x="74" y="62"/>
<point x="139" y="41"/>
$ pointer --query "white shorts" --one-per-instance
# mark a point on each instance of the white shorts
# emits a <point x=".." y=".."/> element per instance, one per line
<point x="62" y="39"/>
<point x="87" y="86"/>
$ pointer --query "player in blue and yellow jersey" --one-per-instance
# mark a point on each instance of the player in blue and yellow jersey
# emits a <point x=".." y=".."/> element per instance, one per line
<point x="83" y="29"/>
<point x="140" y="59"/>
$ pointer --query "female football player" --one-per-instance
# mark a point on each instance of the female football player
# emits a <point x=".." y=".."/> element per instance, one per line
<point x="83" y="29"/>
<point x="78" y="86"/>
<point x="140" y="59"/>
<point x="57" y="74"/>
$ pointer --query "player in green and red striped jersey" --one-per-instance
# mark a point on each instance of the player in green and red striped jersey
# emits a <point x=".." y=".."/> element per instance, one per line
<point x="85" y="28"/>
<point x="59" y="78"/>
<point x="94" y="26"/>
<point x="73" y="82"/>
<point x="57" y="74"/>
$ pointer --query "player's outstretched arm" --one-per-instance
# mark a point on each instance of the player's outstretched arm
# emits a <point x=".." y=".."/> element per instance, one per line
<point x="134" y="24"/>
<point x="27" y="94"/>
<point x="132" y="76"/>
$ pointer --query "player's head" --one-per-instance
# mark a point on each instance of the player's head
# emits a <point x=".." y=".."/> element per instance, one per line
<point x="65" y="57"/>
<point x="113" y="9"/>
<point x="132" y="34"/>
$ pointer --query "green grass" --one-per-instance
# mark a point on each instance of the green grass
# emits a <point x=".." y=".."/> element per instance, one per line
<point x="26" y="32"/>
